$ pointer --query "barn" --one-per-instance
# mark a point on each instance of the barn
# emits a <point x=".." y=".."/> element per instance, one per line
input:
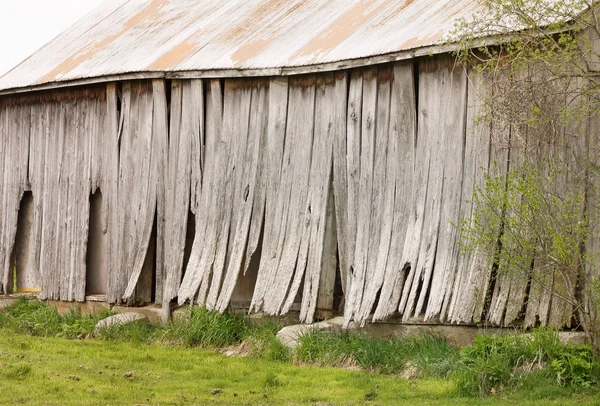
<point x="278" y="156"/>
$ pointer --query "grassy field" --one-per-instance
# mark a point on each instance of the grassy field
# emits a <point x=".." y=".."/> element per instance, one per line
<point x="47" y="359"/>
<point x="54" y="371"/>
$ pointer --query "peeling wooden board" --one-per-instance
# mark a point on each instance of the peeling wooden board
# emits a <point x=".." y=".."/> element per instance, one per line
<point x="358" y="272"/>
<point x="278" y="109"/>
<point x="421" y="249"/>
<point x="138" y="174"/>
<point x="293" y="188"/>
<point x="16" y="146"/>
<point x="353" y="151"/>
<point x="474" y="268"/>
<point x="202" y="255"/>
<point x="382" y="203"/>
<point x="317" y="202"/>
<point x="403" y="133"/>
<point x="184" y="135"/>
<point x="235" y="130"/>
<point x="340" y="174"/>
<point x="453" y="113"/>
<point x="160" y="129"/>
<point x="244" y="198"/>
<point x="260" y="195"/>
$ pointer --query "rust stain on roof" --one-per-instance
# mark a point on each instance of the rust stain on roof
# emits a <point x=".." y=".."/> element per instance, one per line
<point x="250" y="50"/>
<point x="174" y="56"/>
<point x="202" y="35"/>
<point x="343" y="28"/>
<point x="74" y="60"/>
<point x="418" y="42"/>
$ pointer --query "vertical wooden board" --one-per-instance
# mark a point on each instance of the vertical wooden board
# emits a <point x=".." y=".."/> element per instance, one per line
<point x="410" y="259"/>
<point x="235" y="130"/>
<point x="50" y="200"/>
<point x="15" y="182"/>
<point x="294" y="185"/>
<point x="340" y="172"/>
<point x="329" y="262"/>
<point x="434" y="77"/>
<point x="87" y="115"/>
<point x="209" y="215"/>
<point x="196" y="128"/>
<point x="67" y="202"/>
<point x="278" y="108"/>
<point x="453" y="122"/>
<point x="137" y="185"/>
<point x="160" y="137"/>
<point x="473" y="268"/>
<point x="244" y="199"/>
<point x="318" y="196"/>
<point x="260" y="195"/>
<point x="182" y="148"/>
<point x="353" y="151"/>
<point x="367" y="156"/>
<point x="110" y="153"/>
<point x="403" y="131"/>
<point x="382" y="206"/>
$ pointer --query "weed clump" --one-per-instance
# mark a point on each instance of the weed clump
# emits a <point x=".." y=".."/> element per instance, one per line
<point x="493" y="364"/>
<point x="32" y="317"/>
<point x="432" y="356"/>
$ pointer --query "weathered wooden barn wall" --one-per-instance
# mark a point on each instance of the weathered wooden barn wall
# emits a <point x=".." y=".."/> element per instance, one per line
<point x="357" y="175"/>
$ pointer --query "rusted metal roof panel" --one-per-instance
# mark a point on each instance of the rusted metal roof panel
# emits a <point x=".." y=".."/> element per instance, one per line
<point x="137" y="36"/>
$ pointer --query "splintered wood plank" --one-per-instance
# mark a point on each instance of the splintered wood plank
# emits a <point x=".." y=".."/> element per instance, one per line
<point x="193" y="117"/>
<point x="453" y="129"/>
<point x="182" y="148"/>
<point x="260" y="195"/>
<point x="474" y="268"/>
<point x="313" y="237"/>
<point x="208" y="217"/>
<point x="86" y="133"/>
<point x="356" y="279"/>
<point x="294" y="188"/>
<point x="235" y="130"/>
<point x="51" y="200"/>
<point x="329" y="262"/>
<point x="435" y="79"/>
<point x="137" y="186"/>
<point x="382" y="199"/>
<point x="40" y="115"/>
<point x="160" y="137"/>
<point x="403" y="132"/>
<point x="354" y="129"/>
<point x="278" y="108"/>
<point x="244" y="198"/>
<point x="340" y="172"/>
<point x="110" y="190"/>
<point x="16" y="135"/>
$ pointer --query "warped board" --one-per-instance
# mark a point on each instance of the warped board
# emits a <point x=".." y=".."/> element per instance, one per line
<point x="403" y="133"/>
<point x="365" y="172"/>
<point x="473" y="269"/>
<point x="137" y="190"/>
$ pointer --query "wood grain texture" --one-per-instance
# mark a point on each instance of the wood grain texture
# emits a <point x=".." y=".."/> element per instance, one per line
<point x="403" y="133"/>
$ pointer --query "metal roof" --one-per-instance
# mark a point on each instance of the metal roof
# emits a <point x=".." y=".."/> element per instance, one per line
<point x="243" y="36"/>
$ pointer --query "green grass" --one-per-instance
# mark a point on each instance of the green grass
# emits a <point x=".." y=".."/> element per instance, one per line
<point x="56" y="371"/>
<point x="430" y="355"/>
<point x="48" y="358"/>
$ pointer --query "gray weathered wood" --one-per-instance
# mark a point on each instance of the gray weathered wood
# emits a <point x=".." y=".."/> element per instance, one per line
<point x="278" y="105"/>
<point x="357" y="276"/>
<point x="403" y="127"/>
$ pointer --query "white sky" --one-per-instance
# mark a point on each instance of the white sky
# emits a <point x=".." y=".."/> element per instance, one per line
<point x="26" y="25"/>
